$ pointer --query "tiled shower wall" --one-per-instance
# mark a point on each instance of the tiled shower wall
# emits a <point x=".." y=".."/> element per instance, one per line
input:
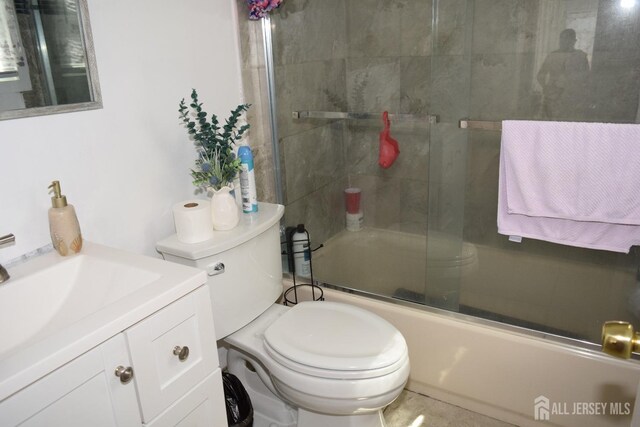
<point x="363" y="56"/>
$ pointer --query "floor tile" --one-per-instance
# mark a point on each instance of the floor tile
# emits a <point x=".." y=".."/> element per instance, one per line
<point x="415" y="410"/>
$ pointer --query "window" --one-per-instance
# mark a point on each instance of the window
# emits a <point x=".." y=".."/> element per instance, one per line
<point x="14" y="71"/>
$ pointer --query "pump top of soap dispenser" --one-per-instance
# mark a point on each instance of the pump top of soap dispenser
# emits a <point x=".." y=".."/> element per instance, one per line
<point x="58" y="200"/>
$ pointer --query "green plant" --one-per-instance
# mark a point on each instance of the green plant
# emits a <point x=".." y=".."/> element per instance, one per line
<point x="217" y="164"/>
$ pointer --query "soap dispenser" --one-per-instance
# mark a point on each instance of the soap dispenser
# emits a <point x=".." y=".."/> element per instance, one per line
<point x="63" y="224"/>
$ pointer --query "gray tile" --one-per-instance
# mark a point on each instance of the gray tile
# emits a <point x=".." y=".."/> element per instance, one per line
<point x="309" y="86"/>
<point x="504" y="26"/>
<point x="265" y="179"/>
<point x="301" y="31"/>
<point x="415" y="82"/>
<point x="373" y="84"/>
<point x="481" y="195"/>
<point x="502" y="86"/>
<point x="415" y="27"/>
<point x="314" y="158"/>
<point x="447" y="178"/>
<point x="450" y="87"/>
<point x="322" y="211"/>
<point x="453" y="25"/>
<point x="414" y="198"/>
<point x="373" y="27"/>
<point x="614" y="87"/>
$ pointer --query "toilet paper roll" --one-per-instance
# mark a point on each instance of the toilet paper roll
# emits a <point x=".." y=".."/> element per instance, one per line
<point x="193" y="221"/>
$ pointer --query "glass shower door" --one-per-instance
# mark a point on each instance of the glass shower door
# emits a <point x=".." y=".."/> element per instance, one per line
<point x="429" y="234"/>
<point x="495" y="60"/>
<point x="448" y="257"/>
<point x="338" y="66"/>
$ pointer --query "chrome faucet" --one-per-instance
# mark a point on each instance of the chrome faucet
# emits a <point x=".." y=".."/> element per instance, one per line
<point x="9" y="238"/>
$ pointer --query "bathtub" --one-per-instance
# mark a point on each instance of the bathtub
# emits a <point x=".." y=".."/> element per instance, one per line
<point x="537" y="291"/>
<point x="487" y="367"/>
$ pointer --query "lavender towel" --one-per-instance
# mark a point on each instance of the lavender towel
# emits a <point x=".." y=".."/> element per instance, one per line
<point x="576" y="184"/>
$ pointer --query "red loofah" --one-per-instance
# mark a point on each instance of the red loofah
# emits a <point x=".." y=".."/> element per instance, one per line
<point x="389" y="149"/>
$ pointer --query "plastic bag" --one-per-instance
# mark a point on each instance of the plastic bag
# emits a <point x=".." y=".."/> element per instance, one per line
<point x="237" y="401"/>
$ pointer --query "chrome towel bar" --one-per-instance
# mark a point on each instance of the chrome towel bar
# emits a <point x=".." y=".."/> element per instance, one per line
<point x="480" y="125"/>
<point x="361" y="116"/>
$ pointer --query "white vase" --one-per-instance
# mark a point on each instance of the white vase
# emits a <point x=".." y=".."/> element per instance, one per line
<point x="224" y="210"/>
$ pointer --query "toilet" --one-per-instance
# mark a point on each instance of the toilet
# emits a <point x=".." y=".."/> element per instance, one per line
<point x="315" y="364"/>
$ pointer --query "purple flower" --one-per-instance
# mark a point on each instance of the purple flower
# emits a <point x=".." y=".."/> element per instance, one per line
<point x="259" y="8"/>
<point x="214" y="180"/>
<point x="206" y="167"/>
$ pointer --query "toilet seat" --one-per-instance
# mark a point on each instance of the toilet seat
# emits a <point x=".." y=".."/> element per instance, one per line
<point x="332" y="340"/>
<point x="334" y="374"/>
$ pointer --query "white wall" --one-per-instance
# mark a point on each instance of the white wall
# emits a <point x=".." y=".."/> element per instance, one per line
<point x="123" y="166"/>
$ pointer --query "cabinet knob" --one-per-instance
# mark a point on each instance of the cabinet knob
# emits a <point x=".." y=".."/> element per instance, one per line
<point x="181" y="352"/>
<point x="125" y="374"/>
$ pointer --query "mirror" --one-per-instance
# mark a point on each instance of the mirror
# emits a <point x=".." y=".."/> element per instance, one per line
<point x="47" y="62"/>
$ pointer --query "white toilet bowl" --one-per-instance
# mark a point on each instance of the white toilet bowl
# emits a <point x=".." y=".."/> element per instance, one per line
<point x="337" y="364"/>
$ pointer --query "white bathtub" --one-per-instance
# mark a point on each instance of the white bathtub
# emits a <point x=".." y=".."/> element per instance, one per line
<point x="482" y="366"/>
<point x="566" y="297"/>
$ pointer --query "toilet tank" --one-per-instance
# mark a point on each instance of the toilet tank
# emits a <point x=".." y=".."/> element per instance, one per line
<point x="244" y="267"/>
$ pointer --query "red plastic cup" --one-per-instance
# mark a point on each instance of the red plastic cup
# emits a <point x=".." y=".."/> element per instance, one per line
<point x="352" y="200"/>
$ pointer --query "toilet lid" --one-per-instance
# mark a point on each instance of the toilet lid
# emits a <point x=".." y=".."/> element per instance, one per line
<point x="334" y="336"/>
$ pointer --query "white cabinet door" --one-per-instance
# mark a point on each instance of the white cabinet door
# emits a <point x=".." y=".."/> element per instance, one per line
<point x="162" y="375"/>
<point x="201" y="407"/>
<point x="84" y="392"/>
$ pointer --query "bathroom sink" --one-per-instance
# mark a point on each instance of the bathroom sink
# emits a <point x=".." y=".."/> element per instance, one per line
<point x="54" y="306"/>
<point x="49" y="297"/>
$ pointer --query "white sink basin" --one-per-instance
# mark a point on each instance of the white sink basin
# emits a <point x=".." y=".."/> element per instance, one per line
<point x="54" y="308"/>
<point x="48" y="299"/>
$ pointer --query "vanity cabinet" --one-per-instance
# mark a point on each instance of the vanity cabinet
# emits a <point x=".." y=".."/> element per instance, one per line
<point x="85" y="392"/>
<point x="161" y="371"/>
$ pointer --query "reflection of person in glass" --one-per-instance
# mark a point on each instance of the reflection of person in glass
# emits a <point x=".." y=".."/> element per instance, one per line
<point x="564" y="76"/>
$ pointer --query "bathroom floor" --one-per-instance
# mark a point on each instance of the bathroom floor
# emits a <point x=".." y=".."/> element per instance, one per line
<point x="415" y="410"/>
